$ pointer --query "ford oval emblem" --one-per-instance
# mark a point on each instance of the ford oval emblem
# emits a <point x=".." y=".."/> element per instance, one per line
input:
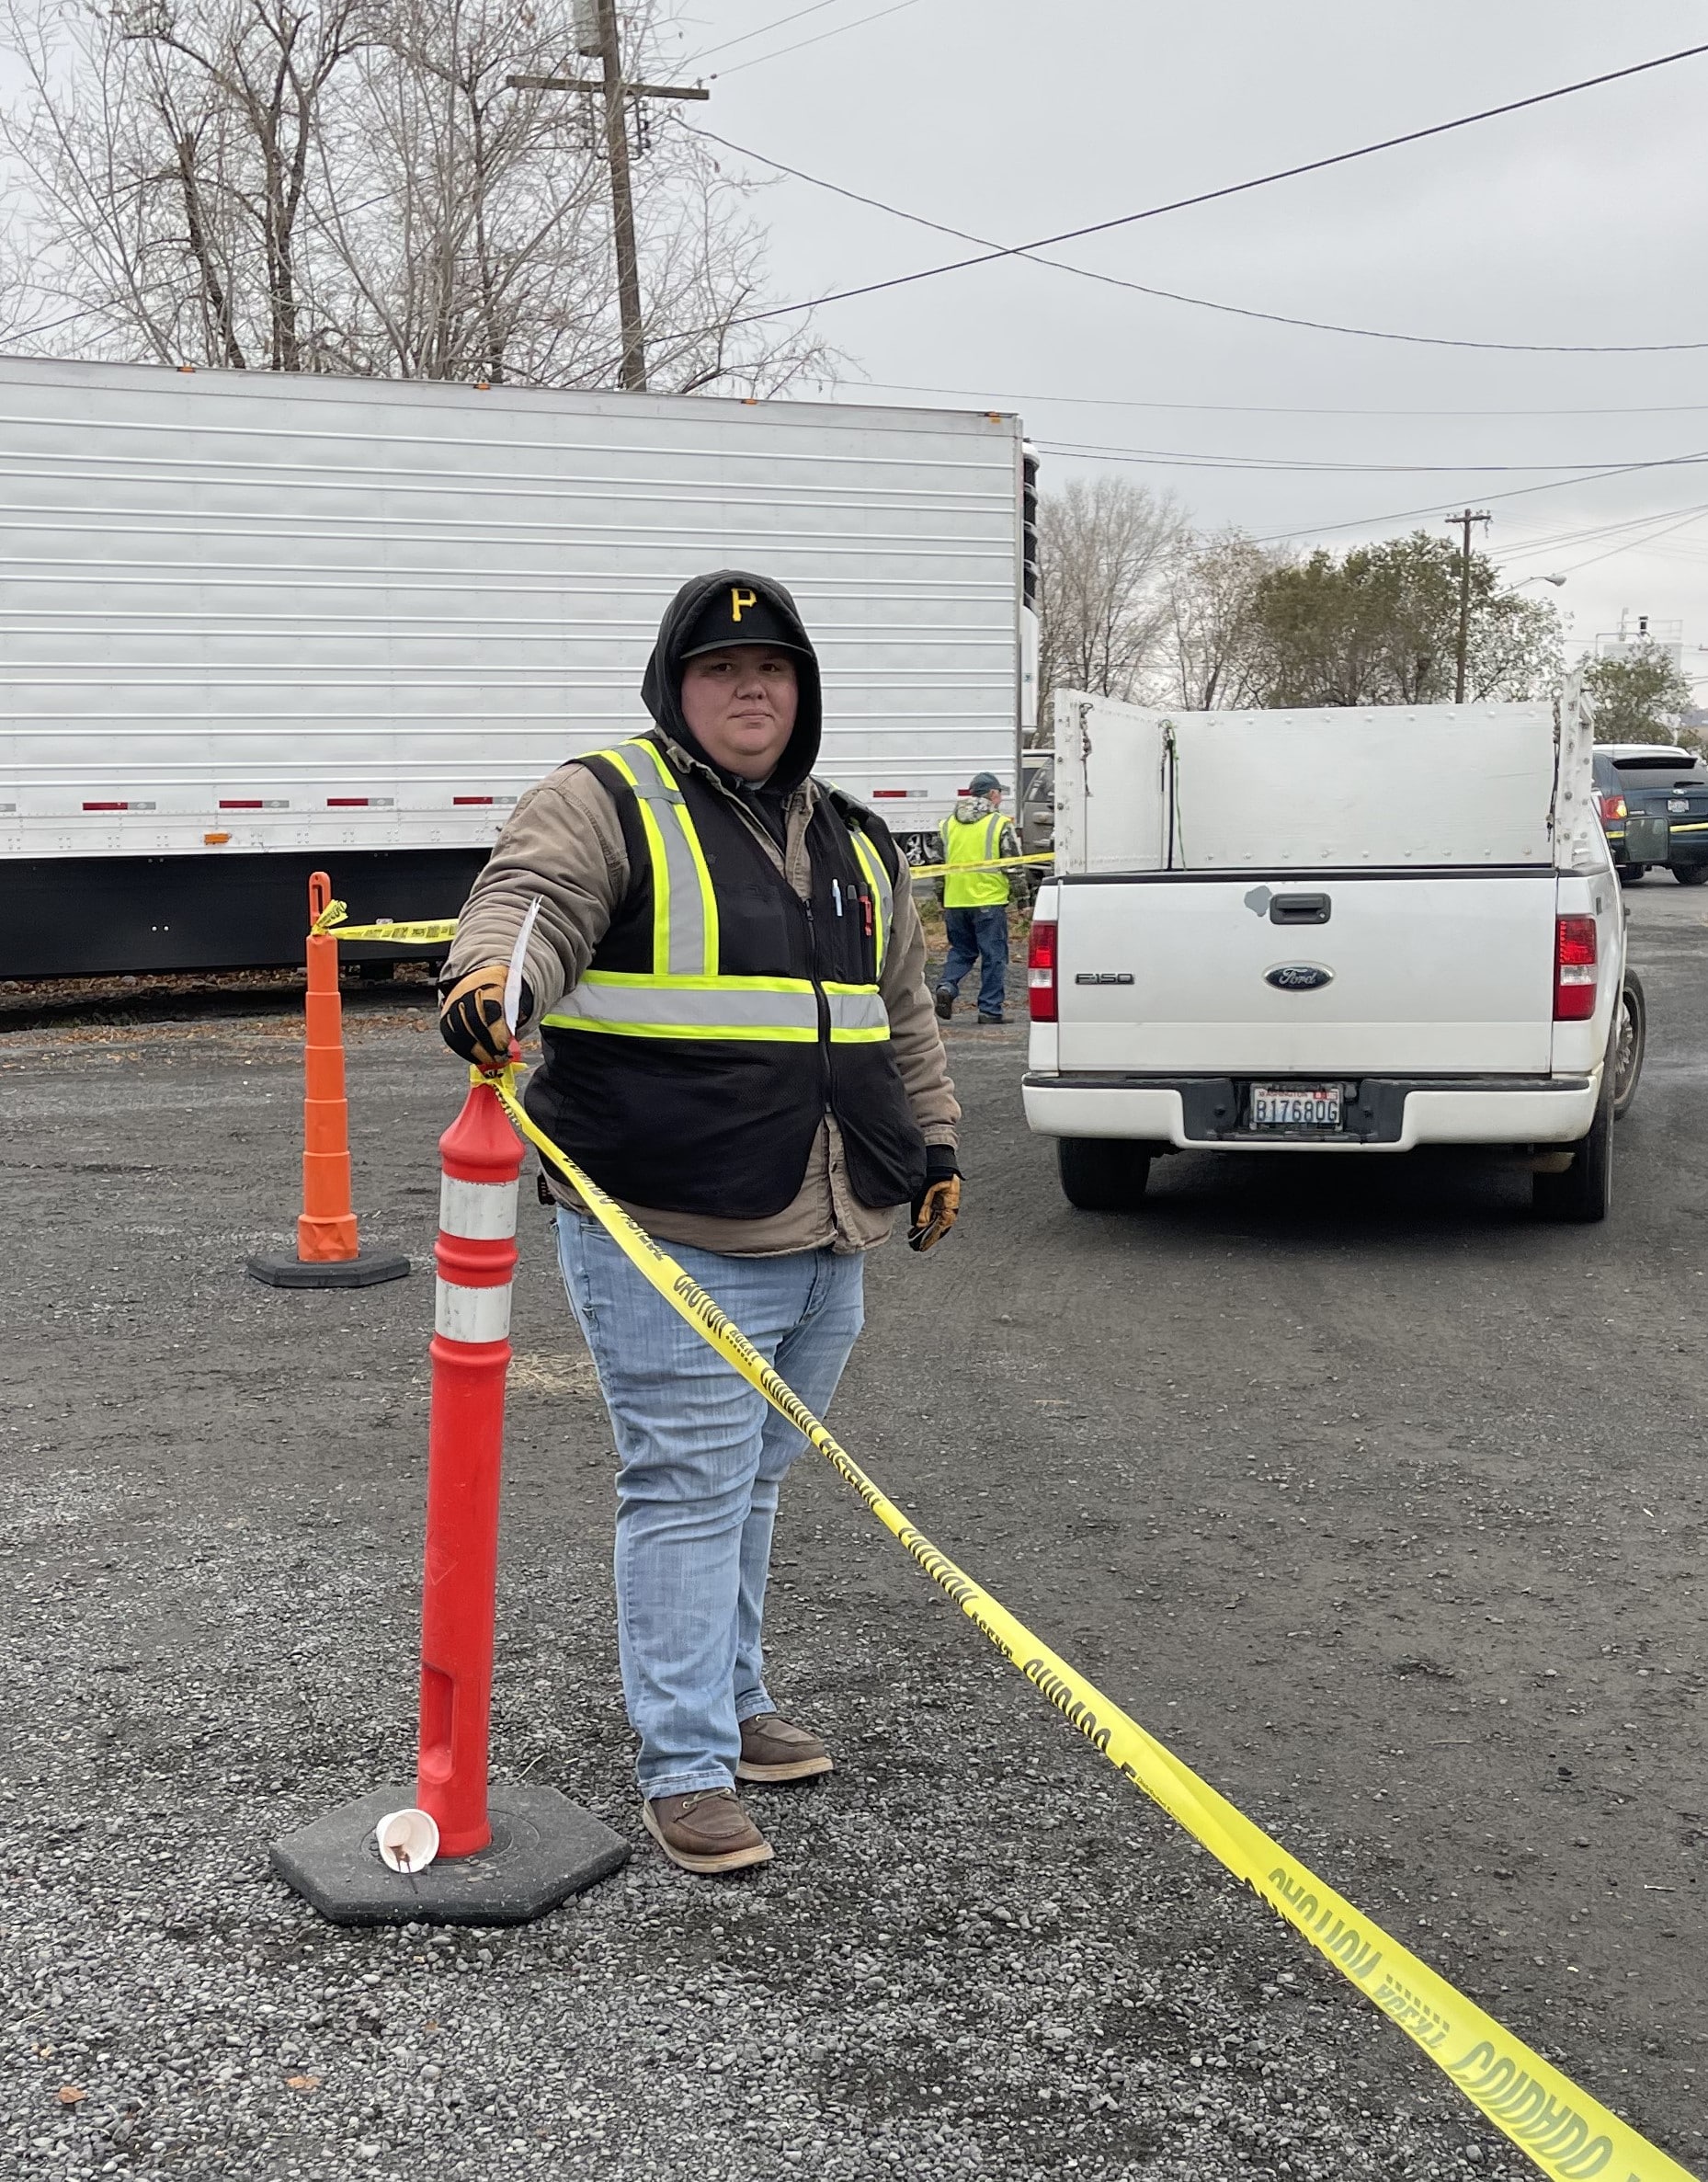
<point x="1298" y="976"/>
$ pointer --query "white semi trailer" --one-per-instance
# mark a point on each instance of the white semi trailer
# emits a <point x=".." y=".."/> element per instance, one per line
<point x="251" y="625"/>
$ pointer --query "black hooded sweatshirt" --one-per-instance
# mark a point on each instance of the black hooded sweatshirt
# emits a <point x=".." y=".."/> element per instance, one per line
<point x="724" y="1127"/>
<point x="661" y="690"/>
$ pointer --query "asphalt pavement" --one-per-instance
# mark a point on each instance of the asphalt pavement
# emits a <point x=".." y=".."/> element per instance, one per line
<point x="1379" y="1501"/>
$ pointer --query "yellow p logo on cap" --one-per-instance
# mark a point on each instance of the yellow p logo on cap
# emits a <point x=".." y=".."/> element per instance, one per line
<point x="739" y="599"/>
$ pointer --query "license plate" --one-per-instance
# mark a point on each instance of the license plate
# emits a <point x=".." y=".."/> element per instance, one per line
<point x="1295" y="1107"/>
<point x="1678" y="802"/>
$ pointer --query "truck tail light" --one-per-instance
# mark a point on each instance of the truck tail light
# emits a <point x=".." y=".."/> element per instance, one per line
<point x="1573" y="969"/>
<point x="1040" y="970"/>
<point x="1613" y="809"/>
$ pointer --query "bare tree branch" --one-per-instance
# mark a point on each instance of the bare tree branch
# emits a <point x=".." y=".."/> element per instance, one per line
<point x="1105" y="550"/>
<point x="351" y="186"/>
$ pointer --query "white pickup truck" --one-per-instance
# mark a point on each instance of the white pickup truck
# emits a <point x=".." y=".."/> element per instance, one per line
<point x="1357" y="931"/>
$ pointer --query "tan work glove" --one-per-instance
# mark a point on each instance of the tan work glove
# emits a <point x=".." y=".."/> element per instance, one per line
<point x="938" y="1206"/>
<point x="470" y="1016"/>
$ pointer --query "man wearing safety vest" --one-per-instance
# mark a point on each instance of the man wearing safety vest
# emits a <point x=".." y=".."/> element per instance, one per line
<point x="975" y="901"/>
<point x="727" y="970"/>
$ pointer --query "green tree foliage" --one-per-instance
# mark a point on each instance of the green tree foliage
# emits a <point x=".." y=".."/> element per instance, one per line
<point x="1380" y="627"/>
<point x="1634" y="693"/>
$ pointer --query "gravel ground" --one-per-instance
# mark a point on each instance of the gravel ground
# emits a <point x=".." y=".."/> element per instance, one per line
<point x="976" y="1948"/>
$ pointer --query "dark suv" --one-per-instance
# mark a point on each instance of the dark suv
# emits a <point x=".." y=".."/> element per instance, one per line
<point x="1654" y="805"/>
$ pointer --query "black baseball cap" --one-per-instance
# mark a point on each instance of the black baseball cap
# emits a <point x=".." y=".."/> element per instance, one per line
<point x="982" y="783"/>
<point x="738" y="614"/>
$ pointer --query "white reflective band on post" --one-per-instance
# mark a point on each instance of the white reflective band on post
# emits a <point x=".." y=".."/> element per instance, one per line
<point x="472" y="1314"/>
<point x="483" y="1211"/>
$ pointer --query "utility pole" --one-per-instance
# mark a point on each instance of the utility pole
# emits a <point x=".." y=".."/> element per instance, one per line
<point x="597" y="36"/>
<point x="1463" y="519"/>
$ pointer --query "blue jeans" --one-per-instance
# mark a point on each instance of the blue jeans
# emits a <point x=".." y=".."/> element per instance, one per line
<point x="700" y="1458"/>
<point x="975" y="934"/>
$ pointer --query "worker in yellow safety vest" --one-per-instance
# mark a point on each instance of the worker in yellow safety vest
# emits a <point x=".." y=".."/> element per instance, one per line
<point x="975" y="901"/>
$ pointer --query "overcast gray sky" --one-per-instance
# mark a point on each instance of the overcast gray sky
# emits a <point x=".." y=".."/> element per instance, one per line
<point x="1579" y="222"/>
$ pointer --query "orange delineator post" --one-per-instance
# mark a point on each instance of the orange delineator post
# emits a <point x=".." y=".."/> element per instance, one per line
<point x="326" y="1229"/>
<point x="508" y="1850"/>
<point x="481" y="1163"/>
<point x="328" y="1254"/>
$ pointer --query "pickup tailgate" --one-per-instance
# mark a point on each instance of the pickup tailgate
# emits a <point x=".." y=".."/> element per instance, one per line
<point x="1426" y="974"/>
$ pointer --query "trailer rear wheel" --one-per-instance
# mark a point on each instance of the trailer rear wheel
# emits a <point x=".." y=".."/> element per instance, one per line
<point x="1103" y="1173"/>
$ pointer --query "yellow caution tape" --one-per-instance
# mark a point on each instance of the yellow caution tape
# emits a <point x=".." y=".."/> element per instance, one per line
<point x="1569" y="2135"/>
<point x="997" y="864"/>
<point x="436" y="932"/>
<point x="432" y="933"/>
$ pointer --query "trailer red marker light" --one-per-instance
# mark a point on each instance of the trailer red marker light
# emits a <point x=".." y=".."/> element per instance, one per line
<point x="1040" y="970"/>
<point x="891" y="792"/>
<point x="241" y="803"/>
<point x="471" y="799"/>
<point x="1574" y="968"/>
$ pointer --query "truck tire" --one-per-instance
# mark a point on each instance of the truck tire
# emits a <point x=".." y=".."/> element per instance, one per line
<point x="1688" y="874"/>
<point x="1629" y="873"/>
<point x="1585" y="1192"/>
<point x="1103" y="1173"/>
<point x="1630" y="1039"/>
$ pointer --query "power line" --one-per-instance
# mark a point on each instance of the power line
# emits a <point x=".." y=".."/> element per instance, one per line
<point x="1549" y="542"/>
<point x="1635" y="544"/>
<point x="747" y="38"/>
<point x="1171" y="458"/>
<point x="1086" y="401"/>
<point x="992" y="254"/>
<point x="860" y="22"/>
<point x="1517" y="492"/>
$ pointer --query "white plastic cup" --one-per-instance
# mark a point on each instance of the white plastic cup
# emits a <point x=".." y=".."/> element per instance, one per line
<point x="407" y="1840"/>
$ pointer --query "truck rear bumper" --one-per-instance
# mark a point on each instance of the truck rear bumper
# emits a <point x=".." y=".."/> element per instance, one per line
<point x="1382" y="1114"/>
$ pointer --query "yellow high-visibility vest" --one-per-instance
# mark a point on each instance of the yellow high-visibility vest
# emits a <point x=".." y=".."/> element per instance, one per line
<point x="683" y="996"/>
<point x="979" y="842"/>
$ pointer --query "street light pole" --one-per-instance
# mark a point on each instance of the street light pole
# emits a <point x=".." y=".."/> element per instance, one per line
<point x="603" y="38"/>
<point x="1463" y="519"/>
<point x="621" y="202"/>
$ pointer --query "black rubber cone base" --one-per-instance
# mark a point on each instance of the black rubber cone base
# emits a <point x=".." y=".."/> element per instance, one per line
<point x="544" y="1848"/>
<point x="366" y="1270"/>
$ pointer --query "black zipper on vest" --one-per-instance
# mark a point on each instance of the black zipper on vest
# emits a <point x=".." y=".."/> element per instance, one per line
<point x="804" y="902"/>
<point x="820" y="995"/>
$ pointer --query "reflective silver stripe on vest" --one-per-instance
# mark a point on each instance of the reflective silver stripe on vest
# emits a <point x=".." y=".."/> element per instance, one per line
<point x="719" y="1008"/>
<point x="689" y="949"/>
<point x="866" y="855"/>
<point x="780" y="1009"/>
<point x="857" y="1008"/>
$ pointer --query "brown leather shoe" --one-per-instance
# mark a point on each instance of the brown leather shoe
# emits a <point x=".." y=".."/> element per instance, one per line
<point x="706" y="1830"/>
<point x="772" y="1748"/>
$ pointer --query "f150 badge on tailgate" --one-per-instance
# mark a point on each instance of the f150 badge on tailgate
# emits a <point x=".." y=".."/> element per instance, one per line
<point x="1298" y="976"/>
